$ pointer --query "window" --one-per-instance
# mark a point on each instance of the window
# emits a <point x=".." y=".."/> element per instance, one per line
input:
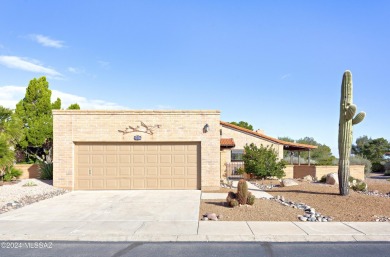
<point x="237" y="155"/>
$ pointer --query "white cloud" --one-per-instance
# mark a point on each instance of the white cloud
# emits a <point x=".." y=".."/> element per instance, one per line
<point x="16" y="62"/>
<point x="285" y="76"/>
<point x="75" y="70"/>
<point x="85" y="104"/>
<point x="104" y="64"/>
<point x="11" y="95"/>
<point x="46" y="41"/>
<point x="164" y="107"/>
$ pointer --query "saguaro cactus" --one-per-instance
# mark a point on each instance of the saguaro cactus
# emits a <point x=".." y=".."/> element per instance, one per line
<point x="347" y="120"/>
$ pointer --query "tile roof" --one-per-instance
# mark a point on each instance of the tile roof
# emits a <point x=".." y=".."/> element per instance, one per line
<point x="287" y="145"/>
<point x="227" y="142"/>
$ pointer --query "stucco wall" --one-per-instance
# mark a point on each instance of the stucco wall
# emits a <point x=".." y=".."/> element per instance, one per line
<point x="301" y="171"/>
<point x="70" y="126"/>
<point x="289" y="170"/>
<point x="356" y="171"/>
<point x="29" y="170"/>
<point x="242" y="138"/>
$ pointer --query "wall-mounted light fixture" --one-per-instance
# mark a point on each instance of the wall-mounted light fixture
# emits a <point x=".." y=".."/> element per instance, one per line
<point x="206" y="128"/>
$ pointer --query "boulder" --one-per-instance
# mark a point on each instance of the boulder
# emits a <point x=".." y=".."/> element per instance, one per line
<point x="287" y="182"/>
<point x="308" y="178"/>
<point x="332" y="179"/>
<point x="212" y="216"/>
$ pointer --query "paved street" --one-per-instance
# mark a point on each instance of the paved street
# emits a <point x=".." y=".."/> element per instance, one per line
<point x="194" y="249"/>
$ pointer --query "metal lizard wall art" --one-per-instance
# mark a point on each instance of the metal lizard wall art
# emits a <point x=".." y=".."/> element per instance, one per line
<point x="143" y="129"/>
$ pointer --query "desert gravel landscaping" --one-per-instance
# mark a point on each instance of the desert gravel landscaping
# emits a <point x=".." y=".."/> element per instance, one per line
<point x="27" y="191"/>
<point x="324" y="198"/>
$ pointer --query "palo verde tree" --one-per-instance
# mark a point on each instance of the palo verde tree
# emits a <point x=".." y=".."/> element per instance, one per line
<point x="262" y="161"/>
<point x="35" y="112"/>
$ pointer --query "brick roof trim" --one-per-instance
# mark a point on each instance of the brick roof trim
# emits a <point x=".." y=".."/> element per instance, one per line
<point x="272" y="139"/>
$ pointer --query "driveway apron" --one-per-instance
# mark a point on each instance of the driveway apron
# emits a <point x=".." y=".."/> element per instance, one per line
<point x="84" y="214"/>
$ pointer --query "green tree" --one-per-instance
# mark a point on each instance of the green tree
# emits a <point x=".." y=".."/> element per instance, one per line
<point x="56" y="105"/>
<point x="10" y="134"/>
<point x="74" y="107"/>
<point x="287" y="139"/>
<point x="243" y="124"/>
<point x="372" y="149"/>
<point x="262" y="161"/>
<point x="360" y="143"/>
<point x="35" y="111"/>
<point x="375" y="149"/>
<point x="322" y="155"/>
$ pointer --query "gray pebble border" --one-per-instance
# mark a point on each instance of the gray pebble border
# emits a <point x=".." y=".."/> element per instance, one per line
<point x="26" y="200"/>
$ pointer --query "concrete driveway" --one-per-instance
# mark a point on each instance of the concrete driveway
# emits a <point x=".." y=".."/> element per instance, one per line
<point x="87" y="214"/>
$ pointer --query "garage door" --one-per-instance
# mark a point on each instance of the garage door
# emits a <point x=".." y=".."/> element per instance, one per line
<point x="102" y="166"/>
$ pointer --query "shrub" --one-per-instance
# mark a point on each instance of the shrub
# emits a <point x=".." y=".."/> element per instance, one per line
<point x="359" y="160"/>
<point x="378" y="167"/>
<point x="263" y="162"/>
<point x="242" y="191"/>
<point x="240" y="171"/>
<point x="251" y="199"/>
<point x="387" y="168"/>
<point x="358" y="186"/>
<point x="323" y="179"/>
<point x="11" y="173"/>
<point x="46" y="170"/>
<point x="29" y="184"/>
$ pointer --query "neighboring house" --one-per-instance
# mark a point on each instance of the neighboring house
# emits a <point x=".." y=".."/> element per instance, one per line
<point x="234" y="138"/>
<point x="110" y="150"/>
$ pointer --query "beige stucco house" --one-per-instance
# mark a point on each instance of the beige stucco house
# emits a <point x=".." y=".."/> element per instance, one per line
<point x="109" y="150"/>
<point x="234" y="138"/>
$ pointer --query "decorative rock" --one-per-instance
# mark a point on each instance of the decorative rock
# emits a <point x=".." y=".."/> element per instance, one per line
<point x="205" y="219"/>
<point x="212" y="216"/>
<point x="288" y="182"/>
<point x="308" y="178"/>
<point x="382" y="219"/>
<point x="310" y="213"/>
<point x="332" y="179"/>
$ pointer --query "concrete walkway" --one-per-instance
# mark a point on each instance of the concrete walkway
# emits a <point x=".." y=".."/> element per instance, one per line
<point x="234" y="231"/>
<point x="251" y="188"/>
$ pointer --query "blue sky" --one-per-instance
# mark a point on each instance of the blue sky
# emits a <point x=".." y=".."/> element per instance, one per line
<point x="276" y="64"/>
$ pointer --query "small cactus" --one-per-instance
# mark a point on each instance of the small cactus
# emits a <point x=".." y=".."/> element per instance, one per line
<point x="242" y="191"/>
<point x="231" y="196"/>
<point x="251" y="199"/>
<point x="347" y="111"/>
<point x="233" y="203"/>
